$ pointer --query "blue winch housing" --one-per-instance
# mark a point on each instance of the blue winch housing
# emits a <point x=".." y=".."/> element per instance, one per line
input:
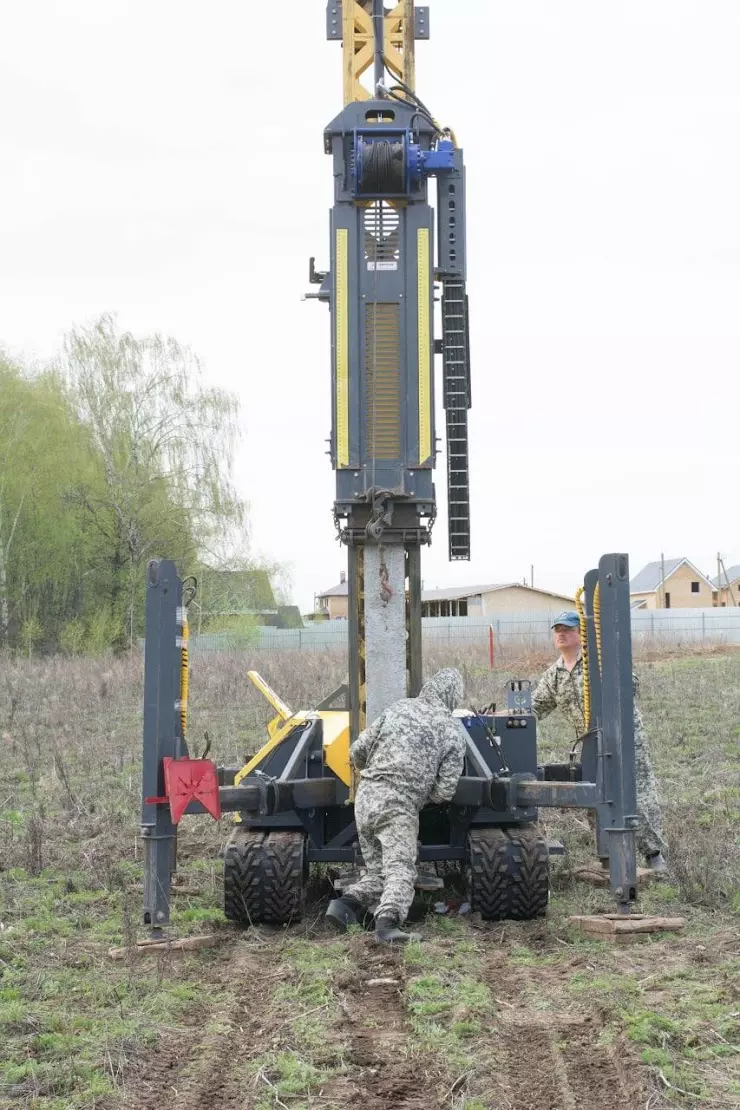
<point x="387" y="163"/>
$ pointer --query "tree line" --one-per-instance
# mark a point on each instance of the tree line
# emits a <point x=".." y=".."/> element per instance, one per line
<point x="116" y="452"/>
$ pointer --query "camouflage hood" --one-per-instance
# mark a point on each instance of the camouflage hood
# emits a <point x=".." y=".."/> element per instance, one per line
<point x="446" y="686"/>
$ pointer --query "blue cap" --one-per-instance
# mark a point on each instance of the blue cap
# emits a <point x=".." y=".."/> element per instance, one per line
<point x="569" y="619"/>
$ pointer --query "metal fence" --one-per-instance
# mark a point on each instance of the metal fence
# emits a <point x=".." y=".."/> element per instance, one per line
<point x="511" y="631"/>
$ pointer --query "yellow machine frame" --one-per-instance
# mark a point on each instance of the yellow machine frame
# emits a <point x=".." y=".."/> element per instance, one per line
<point x="358" y="46"/>
<point x="335" y="724"/>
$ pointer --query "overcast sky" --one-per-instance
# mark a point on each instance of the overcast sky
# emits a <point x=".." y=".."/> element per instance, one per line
<point x="164" y="161"/>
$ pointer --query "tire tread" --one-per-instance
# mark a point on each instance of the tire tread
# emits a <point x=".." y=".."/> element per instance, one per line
<point x="508" y="873"/>
<point x="264" y="877"/>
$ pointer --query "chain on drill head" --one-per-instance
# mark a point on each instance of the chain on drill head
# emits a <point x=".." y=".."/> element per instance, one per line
<point x="386" y="590"/>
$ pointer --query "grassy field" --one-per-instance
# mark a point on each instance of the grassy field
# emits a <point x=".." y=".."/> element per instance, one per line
<point x="480" y="1016"/>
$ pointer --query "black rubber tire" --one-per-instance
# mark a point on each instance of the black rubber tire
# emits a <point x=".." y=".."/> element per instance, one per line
<point x="508" y="873"/>
<point x="488" y="879"/>
<point x="529" y="891"/>
<point x="265" y="877"/>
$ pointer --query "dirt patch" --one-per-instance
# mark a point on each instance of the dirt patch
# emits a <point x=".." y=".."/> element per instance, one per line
<point x="207" y="1063"/>
<point x="378" y="1028"/>
<point x="535" y="935"/>
<point x="555" y="1062"/>
<point x="525" y="1071"/>
<point x="594" y="1071"/>
<point x="553" y="1059"/>
<point x="194" y="1067"/>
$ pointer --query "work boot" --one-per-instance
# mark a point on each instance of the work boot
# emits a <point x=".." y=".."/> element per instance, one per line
<point x="387" y="930"/>
<point x="343" y="912"/>
<point x="657" y="864"/>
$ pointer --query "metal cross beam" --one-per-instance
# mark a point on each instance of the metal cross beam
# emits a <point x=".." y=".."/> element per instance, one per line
<point x="353" y="22"/>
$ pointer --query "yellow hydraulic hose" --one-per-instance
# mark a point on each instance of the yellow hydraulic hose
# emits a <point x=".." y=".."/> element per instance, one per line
<point x="584" y="657"/>
<point x="597" y="624"/>
<point x="184" y="678"/>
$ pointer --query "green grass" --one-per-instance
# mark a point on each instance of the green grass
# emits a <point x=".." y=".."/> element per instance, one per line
<point x="448" y="1005"/>
<point x="306" y="1002"/>
<point x="71" y="1021"/>
<point x="682" y="1021"/>
<point x="303" y="1005"/>
<point x="285" y="1075"/>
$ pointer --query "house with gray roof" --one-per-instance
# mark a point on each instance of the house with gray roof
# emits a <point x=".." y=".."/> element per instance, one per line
<point x="460" y="601"/>
<point x="727" y="587"/>
<point x="671" y="584"/>
<point x="490" y="600"/>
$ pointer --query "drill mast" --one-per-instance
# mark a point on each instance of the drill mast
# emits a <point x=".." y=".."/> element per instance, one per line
<point x="386" y="148"/>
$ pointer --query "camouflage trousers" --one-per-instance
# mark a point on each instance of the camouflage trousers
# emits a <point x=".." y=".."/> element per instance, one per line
<point x="388" y="831"/>
<point x="649" y="832"/>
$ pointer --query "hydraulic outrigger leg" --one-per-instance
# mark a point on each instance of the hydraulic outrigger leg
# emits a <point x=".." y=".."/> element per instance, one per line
<point x="604" y="778"/>
<point x="162" y="738"/>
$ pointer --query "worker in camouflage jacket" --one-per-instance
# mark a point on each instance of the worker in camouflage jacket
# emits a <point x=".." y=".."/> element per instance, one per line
<point x="411" y="755"/>
<point x="561" y="687"/>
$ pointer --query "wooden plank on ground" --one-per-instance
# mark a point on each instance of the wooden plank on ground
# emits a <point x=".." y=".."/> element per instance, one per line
<point x="610" y="926"/>
<point x="155" y="947"/>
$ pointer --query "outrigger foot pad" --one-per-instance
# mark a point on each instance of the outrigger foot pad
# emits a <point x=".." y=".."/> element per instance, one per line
<point x="624" y="928"/>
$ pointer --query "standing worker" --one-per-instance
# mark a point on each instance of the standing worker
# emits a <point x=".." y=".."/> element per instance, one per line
<point x="413" y="754"/>
<point x="561" y="687"/>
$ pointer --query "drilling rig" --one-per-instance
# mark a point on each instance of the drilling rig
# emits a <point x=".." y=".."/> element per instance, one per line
<point x="390" y="255"/>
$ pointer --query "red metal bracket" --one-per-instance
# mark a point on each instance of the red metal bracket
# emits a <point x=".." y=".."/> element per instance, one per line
<point x="189" y="780"/>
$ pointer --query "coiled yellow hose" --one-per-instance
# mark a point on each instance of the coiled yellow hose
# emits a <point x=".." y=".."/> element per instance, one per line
<point x="584" y="656"/>
<point x="184" y="678"/>
<point x="597" y="624"/>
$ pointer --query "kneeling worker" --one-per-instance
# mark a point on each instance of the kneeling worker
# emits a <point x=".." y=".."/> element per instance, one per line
<point x="413" y="754"/>
<point x="561" y="687"/>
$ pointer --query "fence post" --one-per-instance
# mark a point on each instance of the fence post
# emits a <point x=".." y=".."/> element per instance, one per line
<point x="703" y="625"/>
<point x="490" y="645"/>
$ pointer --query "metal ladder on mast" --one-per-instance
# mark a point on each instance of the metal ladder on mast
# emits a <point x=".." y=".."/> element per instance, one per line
<point x="456" y="399"/>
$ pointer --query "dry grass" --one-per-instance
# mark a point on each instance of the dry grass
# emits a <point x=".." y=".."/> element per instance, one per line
<point x="70" y="746"/>
<point x="80" y="1034"/>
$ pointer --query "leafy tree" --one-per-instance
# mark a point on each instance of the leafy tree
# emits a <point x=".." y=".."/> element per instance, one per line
<point x="30" y="635"/>
<point x="163" y="442"/>
<point x="72" y="637"/>
<point x="238" y="632"/>
<point x="43" y="451"/>
<point x="118" y="453"/>
<point x="101" y="633"/>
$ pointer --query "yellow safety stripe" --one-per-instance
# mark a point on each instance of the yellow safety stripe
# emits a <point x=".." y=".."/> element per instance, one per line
<point x="424" y="342"/>
<point x="342" y="347"/>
